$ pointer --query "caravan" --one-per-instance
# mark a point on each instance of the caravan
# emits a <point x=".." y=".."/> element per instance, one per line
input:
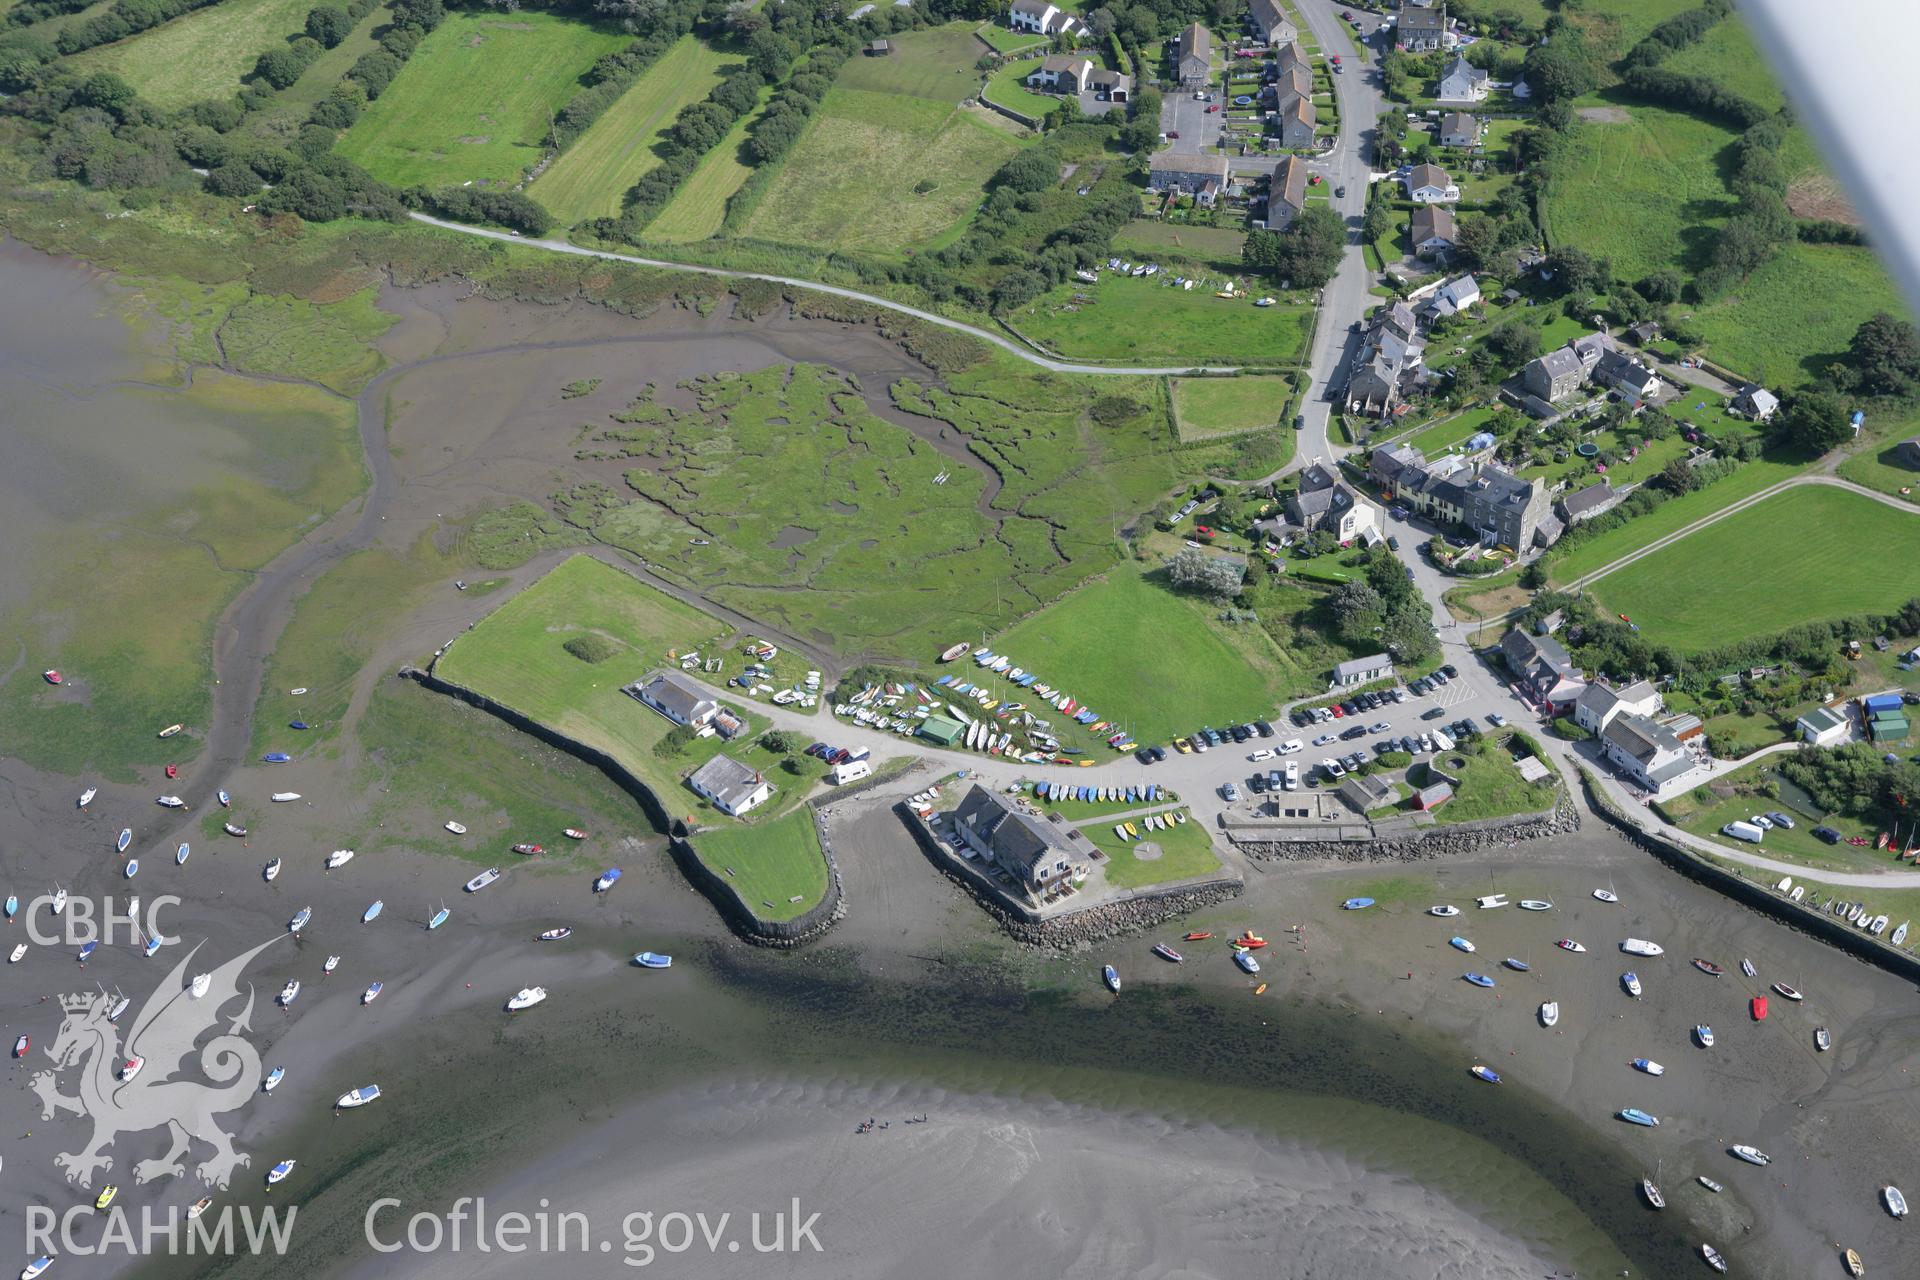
<point x="851" y="771"/>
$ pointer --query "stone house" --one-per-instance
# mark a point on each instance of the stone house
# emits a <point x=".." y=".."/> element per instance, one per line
<point x="1296" y="123"/>
<point x="1194" y="61"/>
<point x="1585" y="504"/>
<point x="1325" y="502"/>
<point x="1270" y="23"/>
<point x="733" y="787"/>
<point x="1036" y="853"/>
<point x="1192" y="172"/>
<point x="1645" y="751"/>
<point x="1554" y="376"/>
<point x="1543" y="670"/>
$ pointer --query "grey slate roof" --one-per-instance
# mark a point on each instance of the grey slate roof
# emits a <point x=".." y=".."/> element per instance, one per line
<point x="728" y="781"/>
<point x="1597" y="494"/>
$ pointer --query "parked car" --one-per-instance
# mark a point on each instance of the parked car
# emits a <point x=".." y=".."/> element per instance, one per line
<point x="1433" y="713"/>
<point x="1358" y="731"/>
<point x="1324" y="739"/>
<point x="1262" y="728"/>
<point x="1761" y="821"/>
<point x="1240" y="733"/>
<point x="1264" y="753"/>
<point x="1229" y="792"/>
<point x="1291" y="747"/>
<point x="1275" y="779"/>
<point x="1183" y="746"/>
<point x="1144" y="755"/>
<point x="1441" y="676"/>
<point x="1159" y="754"/>
<point x="1173" y="133"/>
<point x="1299" y="421"/>
<point x="1258" y="782"/>
<point x="1340" y="191"/>
<point x="1399" y="695"/>
<point x="1780" y="819"/>
<point x="1333" y="768"/>
<point x="1828" y="834"/>
<point x="1452" y="672"/>
<point x="1393" y="542"/>
<point x="1497" y="720"/>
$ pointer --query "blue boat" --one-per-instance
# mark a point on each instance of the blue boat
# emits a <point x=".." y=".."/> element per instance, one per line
<point x="133" y="867"/>
<point x="1356" y="904"/>
<point x="608" y="878"/>
<point x="298" y="724"/>
<point x="439" y="917"/>
<point x="1460" y="944"/>
<point x="1486" y="1073"/>
<point x="653" y="960"/>
<point x="180" y="854"/>
<point x="373" y="912"/>
<point x="13" y="904"/>
<point x="273" y="1079"/>
<point x="276" y="757"/>
<point x="1111" y="976"/>
<point x="1246" y="961"/>
<point x="153" y="945"/>
<point x="1478" y="979"/>
<point x="1633" y="1115"/>
<point x="126" y="838"/>
<point x="88" y="949"/>
<point x="1133" y="795"/>
<point x="1518" y="966"/>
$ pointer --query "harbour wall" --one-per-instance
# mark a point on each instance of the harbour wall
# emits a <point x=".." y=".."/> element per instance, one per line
<point x="733" y="908"/>
<point x="1398" y="840"/>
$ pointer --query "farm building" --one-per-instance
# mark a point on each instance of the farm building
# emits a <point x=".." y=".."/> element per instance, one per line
<point x="678" y="699"/>
<point x="734" y="787"/>
<point x="1824" y="727"/>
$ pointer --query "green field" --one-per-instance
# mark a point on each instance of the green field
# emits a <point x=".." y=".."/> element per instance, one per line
<point x="771" y="864"/>
<point x="1670" y="517"/>
<point x="1008" y="87"/>
<point x="1799" y="556"/>
<point x="1007" y="40"/>
<point x="854" y="179"/>
<point x="1215" y="247"/>
<point x="292" y="338"/>
<point x="595" y="171"/>
<point x="1797" y="312"/>
<point x="472" y="102"/>
<point x="1443" y="435"/>
<point x="1147" y="658"/>
<point x="1645" y="193"/>
<point x="936" y="64"/>
<point x="1147" y="318"/>
<point x="1491" y="787"/>
<point x="1186" y="851"/>
<point x="1880" y="468"/>
<point x="203" y="54"/>
<point x="699" y="207"/>
<point x="1728" y="56"/>
<point x="1208" y="407"/>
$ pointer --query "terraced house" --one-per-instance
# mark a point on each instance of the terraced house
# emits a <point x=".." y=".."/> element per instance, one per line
<point x="1388" y="357"/>
<point x="1498" y="507"/>
<point x="1037" y="853"/>
<point x="1286" y="193"/>
<point x="1422" y="30"/>
<point x="1205" y="177"/>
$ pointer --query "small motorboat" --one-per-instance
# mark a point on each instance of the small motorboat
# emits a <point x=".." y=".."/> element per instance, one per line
<point x="1631" y="981"/>
<point x="153" y="945"/>
<point x="1652" y="1193"/>
<point x="458" y="828"/>
<point x="1550" y="1013"/>
<point x="372" y="913"/>
<point x="1246" y="962"/>
<point x="333" y="962"/>
<point x="372" y="992"/>
<point x="1518" y="966"/>
<point x="1895" y="1202"/>
<point x="170" y="802"/>
<point x="653" y="960"/>
<point x="1356" y="904"/>
<point x="1460" y="944"/>
<point x="86" y="797"/>
<point x="235" y="829"/>
<point x="21" y="1046"/>
<point x="299" y="724"/>
<point x="339" y="858"/>
<point x="125" y="838"/>
<point x="574" y="833"/>
<point x="1822" y="1039"/>
<point x="284" y="797"/>
<point x="529" y="849"/>
<point x="1606" y="895"/>
<point x="226" y="801"/>
<point x="1649" y="1066"/>
<point x="280" y="1171"/>
<point x="1568" y="944"/>
<point x="199" y="1207"/>
<point x="59" y="900"/>
<point x="1758" y="1008"/>
<point x="955" y="651"/>
<point x="13" y="905"/>
<point x="296" y="692"/>
<point x="554" y="935"/>
<point x="271" y="870"/>
<point x="274" y="1077"/>
<point x="1714" y="1260"/>
<point x="1535" y="904"/>
<point x="300" y="919"/>
<point x="200" y="985"/>
<point x="133" y="868"/>
<point x="1704" y="1034"/>
<point x="358" y="1097"/>
<point x="1478" y="979"/>
<point x="120" y="1007"/>
<point x="608" y="878"/>
<point x="482" y="880"/>
<point x="1482" y="1072"/>
<point x="1200" y="936"/>
<point x="1708" y="967"/>
<point x="1641" y="947"/>
<point x="19" y="951"/>
<point x="1709" y="1184"/>
<point x="1443" y="910"/>
<point x="105" y="1198"/>
<point x="438" y="918"/>
<point x="289" y="993"/>
<point x="1855" y="1267"/>
<point x="1634" y="1115"/>
<point x="171" y="729"/>
<point x="37" y="1268"/>
<point x="1787" y="991"/>
<point x="1110" y="976"/>
<point x="1167" y="953"/>
<point x="1752" y="1155"/>
<point x="181" y="854"/>
<point x="51" y="676"/>
<point x="276" y="757"/>
<point x="526" y="998"/>
<point x="173" y="771"/>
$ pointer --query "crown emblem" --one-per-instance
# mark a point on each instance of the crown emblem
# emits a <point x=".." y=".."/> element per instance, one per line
<point x="81" y="1001"/>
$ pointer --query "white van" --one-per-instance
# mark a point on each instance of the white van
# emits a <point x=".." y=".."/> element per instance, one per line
<point x="851" y="771"/>
<point x="1744" y="831"/>
<point x="1293" y="775"/>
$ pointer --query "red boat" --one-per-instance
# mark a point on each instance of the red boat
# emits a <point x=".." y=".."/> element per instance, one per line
<point x="173" y="771"/>
<point x="529" y="848"/>
<point x="1198" y="937"/>
<point x="1707" y="967"/>
<point x="20" y="1047"/>
<point x="1759" y="1006"/>
<point x="51" y="676"/>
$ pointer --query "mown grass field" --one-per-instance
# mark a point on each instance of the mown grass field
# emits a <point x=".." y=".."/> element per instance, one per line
<point x="1703" y="812"/>
<point x="1797" y="312"/>
<point x="1881" y="468"/>
<point x="1208" y="407"/>
<point x="699" y="207"/>
<point x="1132" y="649"/>
<point x="202" y="54"/>
<point x="1446" y="433"/>
<point x="1215" y="247"/>
<point x="472" y="102"/>
<point x="1008" y="87"/>
<point x="882" y="172"/>
<point x="1809" y="553"/>
<point x="936" y="64"/>
<point x="1007" y="40"/>
<point x="1670" y="517"/>
<point x="1646" y="193"/>
<point x="595" y="171"/>
<point x="771" y="864"/>
<point x="1186" y="851"/>
<point x="1149" y="320"/>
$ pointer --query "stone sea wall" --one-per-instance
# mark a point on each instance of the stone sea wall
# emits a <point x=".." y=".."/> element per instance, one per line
<point x="733" y="908"/>
<point x="1416" y="844"/>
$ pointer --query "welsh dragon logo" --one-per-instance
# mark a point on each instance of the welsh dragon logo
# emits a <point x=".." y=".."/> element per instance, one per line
<point x="164" y="1094"/>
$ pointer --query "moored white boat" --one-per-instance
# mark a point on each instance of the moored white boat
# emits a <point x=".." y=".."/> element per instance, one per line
<point x="1746" y="967"/>
<point x="1704" y="1034"/>
<point x="457" y="828"/>
<point x="358" y="1097"/>
<point x="1631" y="981"/>
<point x="131" y="1067"/>
<point x="170" y="802"/>
<point x="333" y="962"/>
<point x="339" y="858"/>
<point x="1444" y="909"/>
<point x="1649" y="1066"/>
<point x="125" y="839"/>
<point x="1712" y="1255"/>
<point x="653" y="960"/>
<point x="1606" y="895"/>
<point x="300" y="919"/>
<point x="1568" y="944"/>
<point x="200" y="985"/>
<point x="37" y="1268"/>
<point x="607" y="880"/>
<point x="372" y="992"/>
<point x="1641" y="947"/>
<point x="171" y="729"/>
<point x="1535" y="904"/>
<point x="1896" y="1203"/>
<point x="1787" y="991"/>
<point x="482" y="880"/>
<point x="289" y="993"/>
<point x="526" y="998"/>
<point x="234" y="829"/>
<point x="1652" y="1193"/>
<point x="280" y="1171"/>
<point x="19" y="950"/>
<point x="438" y="918"/>
<point x="285" y="797"/>
<point x="86" y="797"/>
<point x="181" y="854"/>
<point x="554" y="935"/>
<point x="274" y="1077"/>
<point x="1752" y="1155"/>
<point x="271" y="870"/>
